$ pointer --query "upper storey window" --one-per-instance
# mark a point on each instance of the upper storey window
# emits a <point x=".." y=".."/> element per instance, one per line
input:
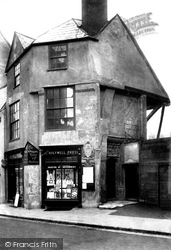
<point x="60" y="108"/>
<point x="17" y="75"/>
<point x="14" y="121"/>
<point x="57" y="57"/>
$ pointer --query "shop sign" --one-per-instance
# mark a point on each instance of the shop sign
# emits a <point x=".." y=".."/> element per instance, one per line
<point x="31" y="155"/>
<point x="88" y="163"/>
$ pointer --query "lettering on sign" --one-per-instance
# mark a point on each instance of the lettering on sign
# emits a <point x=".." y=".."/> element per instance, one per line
<point x="31" y="155"/>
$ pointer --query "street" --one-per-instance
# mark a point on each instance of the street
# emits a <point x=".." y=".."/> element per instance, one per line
<point x="79" y="238"/>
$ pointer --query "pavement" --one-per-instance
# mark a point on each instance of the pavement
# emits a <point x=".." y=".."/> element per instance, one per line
<point x="123" y="216"/>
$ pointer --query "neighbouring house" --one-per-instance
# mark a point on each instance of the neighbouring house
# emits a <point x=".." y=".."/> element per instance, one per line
<point x="77" y="98"/>
<point x="4" y="50"/>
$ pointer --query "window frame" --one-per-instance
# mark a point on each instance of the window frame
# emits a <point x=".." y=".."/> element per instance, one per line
<point x="50" y="57"/>
<point x="16" y="121"/>
<point x="47" y="128"/>
<point x="17" y="73"/>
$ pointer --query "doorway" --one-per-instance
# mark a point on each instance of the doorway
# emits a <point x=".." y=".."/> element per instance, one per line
<point x="131" y="182"/>
<point x="16" y="181"/>
<point x="110" y="178"/>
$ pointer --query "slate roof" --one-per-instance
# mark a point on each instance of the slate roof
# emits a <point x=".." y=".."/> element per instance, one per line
<point x="66" y="31"/>
<point x="25" y="40"/>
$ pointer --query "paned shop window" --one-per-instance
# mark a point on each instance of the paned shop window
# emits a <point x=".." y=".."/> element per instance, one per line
<point x="57" y="57"/>
<point x="17" y="75"/>
<point x="60" y="108"/>
<point x="14" y="121"/>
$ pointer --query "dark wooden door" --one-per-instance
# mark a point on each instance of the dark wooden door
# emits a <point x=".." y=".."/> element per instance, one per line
<point x="131" y="181"/>
<point x="110" y="178"/>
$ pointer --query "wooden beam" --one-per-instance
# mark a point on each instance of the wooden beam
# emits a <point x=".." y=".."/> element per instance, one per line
<point x="153" y="112"/>
<point x="161" y="121"/>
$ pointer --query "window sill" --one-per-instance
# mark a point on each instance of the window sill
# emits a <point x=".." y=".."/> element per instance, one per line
<point x="59" y="130"/>
<point x="56" y="69"/>
<point x="14" y="139"/>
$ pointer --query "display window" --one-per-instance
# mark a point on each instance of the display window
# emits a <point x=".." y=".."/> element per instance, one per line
<point x="61" y="175"/>
<point x="62" y="182"/>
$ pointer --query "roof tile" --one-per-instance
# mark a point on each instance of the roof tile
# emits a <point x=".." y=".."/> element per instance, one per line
<point x="66" y="31"/>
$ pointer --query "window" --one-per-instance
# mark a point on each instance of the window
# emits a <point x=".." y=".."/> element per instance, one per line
<point x="60" y="108"/>
<point x="14" y="121"/>
<point x="17" y="75"/>
<point x="58" y="57"/>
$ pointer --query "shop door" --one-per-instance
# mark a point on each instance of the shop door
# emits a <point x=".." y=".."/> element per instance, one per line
<point x="110" y="178"/>
<point x="15" y="181"/>
<point x="131" y="181"/>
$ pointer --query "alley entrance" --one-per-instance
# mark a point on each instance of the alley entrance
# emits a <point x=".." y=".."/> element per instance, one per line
<point x="131" y="181"/>
<point x="110" y="178"/>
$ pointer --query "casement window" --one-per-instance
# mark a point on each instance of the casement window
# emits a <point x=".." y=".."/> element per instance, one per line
<point x="60" y="110"/>
<point x="17" y="75"/>
<point x="57" y="57"/>
<point x="14" y="121"/>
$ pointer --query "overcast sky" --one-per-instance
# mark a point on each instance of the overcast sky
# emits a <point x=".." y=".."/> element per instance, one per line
<point x="34" y="17"/>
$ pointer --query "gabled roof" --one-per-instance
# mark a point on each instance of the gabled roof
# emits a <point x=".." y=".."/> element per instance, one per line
<point x="66" y="31"/>
<point x="135" y="65"/>
<point x="19" y="45"/>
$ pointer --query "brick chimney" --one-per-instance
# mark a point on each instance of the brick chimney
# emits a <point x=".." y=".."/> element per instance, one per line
<point x="94" y="15"/>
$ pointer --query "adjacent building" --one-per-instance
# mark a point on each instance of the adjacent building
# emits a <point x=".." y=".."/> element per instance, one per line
<point x="76" y="106"/>
<point x="4" y="50"/>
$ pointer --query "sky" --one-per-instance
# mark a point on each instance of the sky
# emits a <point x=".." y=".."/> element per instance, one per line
<point x="35" y="17"/>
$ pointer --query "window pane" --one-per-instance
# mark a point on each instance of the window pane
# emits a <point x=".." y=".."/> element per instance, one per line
<point x="70" y="112"/>
<point x="63" y="103"/>
<point x="50" y="103"/>
<point x="57" y="113"/>
<point x="50" y="93"/>
<point x="63" y="113"/>
<point x="56" y="103"/>
<point x="69" y="92"/>
<point x="50" y="123"/>
<point x="70" y="123"/>
<point x="63" y="93"/>
<point x="70" y="102"/>
<point x="50" y="114"/>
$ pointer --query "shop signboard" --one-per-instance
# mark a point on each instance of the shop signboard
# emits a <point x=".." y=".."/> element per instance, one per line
<point x="31" y="155"/>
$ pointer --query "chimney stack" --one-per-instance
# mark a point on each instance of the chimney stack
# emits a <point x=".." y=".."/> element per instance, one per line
<point x="94" y="15"/>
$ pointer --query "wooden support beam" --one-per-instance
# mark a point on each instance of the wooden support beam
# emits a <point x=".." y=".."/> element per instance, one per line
<point x="153" y="112"/>
<point x="161" y="121"/>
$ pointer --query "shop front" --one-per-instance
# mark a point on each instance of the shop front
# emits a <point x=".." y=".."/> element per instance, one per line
<point x="61" y="176"/>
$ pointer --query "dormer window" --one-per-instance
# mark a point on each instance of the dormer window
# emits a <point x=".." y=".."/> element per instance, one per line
<point x="17" y="75"/>
<point x="57" y="57"/>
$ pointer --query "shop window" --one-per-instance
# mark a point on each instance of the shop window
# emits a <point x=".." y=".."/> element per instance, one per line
<point x="62" y="182"/>
<point x="17" y="75"/>
<point x="60" y="108"/>
<point x="14" y="121"/>
<point x="57" y="57"/>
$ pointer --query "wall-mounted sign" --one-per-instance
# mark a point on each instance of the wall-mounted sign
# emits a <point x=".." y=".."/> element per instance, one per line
<point x="131" y="152"/>
<point x="88" y="163"/>
<point x="31" y="155"/>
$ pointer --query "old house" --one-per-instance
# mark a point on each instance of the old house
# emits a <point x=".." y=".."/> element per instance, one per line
<point x="4" y="50"/>
<point x="77" y="98"/>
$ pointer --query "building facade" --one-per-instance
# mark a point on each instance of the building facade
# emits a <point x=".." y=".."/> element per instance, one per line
<point x="4" y="50"/>
<point x="76" y="113"/>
